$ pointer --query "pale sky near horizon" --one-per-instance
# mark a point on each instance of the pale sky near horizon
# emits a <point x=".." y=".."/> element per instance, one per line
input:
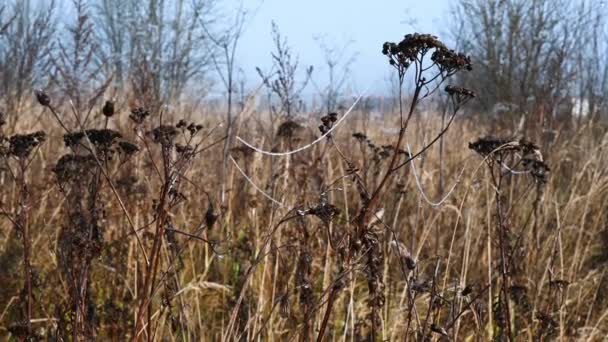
<point x="366" y="23"/>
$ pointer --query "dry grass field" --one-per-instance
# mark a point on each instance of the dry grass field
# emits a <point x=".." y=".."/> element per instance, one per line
<point x="129" y="224"/>
<point x="265" y="268"/>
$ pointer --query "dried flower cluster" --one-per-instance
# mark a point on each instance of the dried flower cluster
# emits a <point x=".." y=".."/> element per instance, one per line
<point x="459" y="91"/>
<point x="102" y="139"/>
<point x="327" y="122"/>
<point x="191" y="127"/>
<point x="527" y="154"/>
<point x="288" y="128"/>
<point x="164" y="135"/>
<point x="43" y="98"/>
<point x="407" y="51"/>
<point x="413" y="46"/>
<point x="138" y="115"/>
<point x="21" y="145"/>
<point x="450" y="61"/>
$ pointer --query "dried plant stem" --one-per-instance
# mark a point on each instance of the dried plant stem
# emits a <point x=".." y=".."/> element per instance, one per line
<point x="503" y="252"/>
<point x="330" y="302"/>
<point x="22" y="225"/>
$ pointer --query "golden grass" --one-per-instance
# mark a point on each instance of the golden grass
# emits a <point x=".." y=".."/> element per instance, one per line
<point x="559" y="266"/>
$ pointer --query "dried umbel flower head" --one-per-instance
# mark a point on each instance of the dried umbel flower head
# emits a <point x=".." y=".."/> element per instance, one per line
<point x="102" y="139"/>
<point x="526" y="152"/>
<point x="186" y="151"/>
<point x="288" y="128"/>
<point x="402" y="54"/>
<point x="164" y="135"/>
<point x="459" y="95"/>
<point x="108" y="109"/>
<point x="538" y="169"/>
<point x="127" y="148"/>
<point x="191" y="127"/>
<point x="181" y="124"/>
<point x="21" y="145"/>
<point x="43" y="98"/>
<point x="459" y="91"/>
<point x="450" y="61"/>
<point x="72" y="139"/>
<point x="328" y="122"/>
<point x="414" y="47"/>
<point x="486" y="145"/>
<point x="326" y="212"/>
<point x="360" y="137"/>
<point x="138" y="115"/>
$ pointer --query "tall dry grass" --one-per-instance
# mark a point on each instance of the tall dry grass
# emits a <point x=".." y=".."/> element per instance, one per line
<point x="267" y="268"/>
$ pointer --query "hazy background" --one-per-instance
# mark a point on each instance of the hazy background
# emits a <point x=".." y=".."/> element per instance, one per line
<point x="544" y="56"/>
<point x="360" y="26"/>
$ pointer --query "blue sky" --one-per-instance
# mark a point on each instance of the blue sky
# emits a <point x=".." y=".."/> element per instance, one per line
<point x="366" y="23"/>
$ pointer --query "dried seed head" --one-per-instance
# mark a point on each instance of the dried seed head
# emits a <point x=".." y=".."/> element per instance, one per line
<point x="288" y="128"/>
<point x="103" y="138"/>
<point x="164" y="135"/>
<point x="325" y="211"/>
<point x="450" y="61"/>
<point x="138" y="115"/>
<point x="43" y="98"/>
<point x="108" y="109"/>
<point x="184" y="150"/>
<point x="402" y="54"/>
<point x="21" y="145"/>
<point x="128" y="148"/>
<point x="333" y="117"/>
<point x="360" y="136"/>
<point x="192" y="128"/>
<point x="538" y="169"/>
<point x="459" y="95"/>
<point x="487" y="145"/>
<point x="458" y="91"/>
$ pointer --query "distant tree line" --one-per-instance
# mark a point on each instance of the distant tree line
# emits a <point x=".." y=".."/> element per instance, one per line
<point x="83" y="49"/>
<point x="545" y="58"/>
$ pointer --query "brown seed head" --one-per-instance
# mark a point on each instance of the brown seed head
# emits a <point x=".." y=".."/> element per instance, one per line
<point x="138" y="115"/>
<point x="108" y="109"/>
<point x="21" y="145"/>
<point x="43" y="98"/>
